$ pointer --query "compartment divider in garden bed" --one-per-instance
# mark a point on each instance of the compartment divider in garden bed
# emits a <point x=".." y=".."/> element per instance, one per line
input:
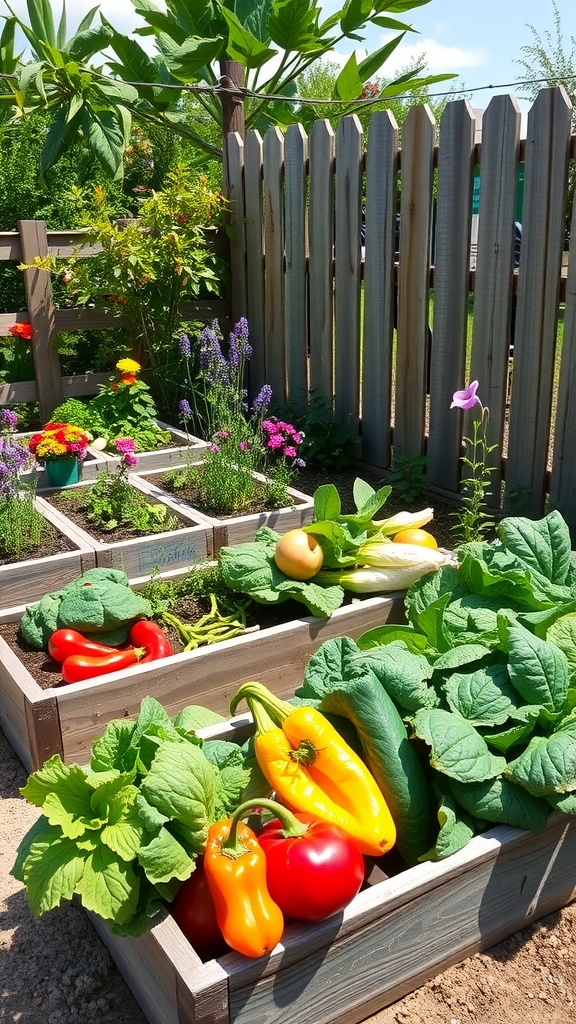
<point x="239" y="529"/>
<point x="140" y="556"/>
<point x="28" y="580"/>
<point x="66" y="719"/>
<point x="394" y="935"/>
<point x="184" y="446"/>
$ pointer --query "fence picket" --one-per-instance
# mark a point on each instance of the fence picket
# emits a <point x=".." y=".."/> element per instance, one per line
<point x="379" y="298"/>
<point x="235" y="170"/>
<point x="321" y="241"/>
<point x="296" y="304"/>
<point x="274" y="265"/>
<point x="34" y="242"/>
<point x="347" y="271"/>
<point x="413" y="281"/>
<point x="254" y="235"/>
<point x="494" y="286"/>
<point x="452" y="255"/>
<point x="547" y="150"/>
<point x="563" y="476"/>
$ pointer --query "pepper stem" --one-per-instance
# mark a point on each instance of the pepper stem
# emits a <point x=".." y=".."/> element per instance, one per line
<point x="290" y="824"/>
<point x="276" y="708"/>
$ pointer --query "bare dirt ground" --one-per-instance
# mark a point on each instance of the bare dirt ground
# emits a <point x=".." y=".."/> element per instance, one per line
<point x="55" y="969"/>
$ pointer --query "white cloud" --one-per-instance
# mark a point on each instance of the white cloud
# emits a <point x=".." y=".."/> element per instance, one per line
<point x="439" y="58"/>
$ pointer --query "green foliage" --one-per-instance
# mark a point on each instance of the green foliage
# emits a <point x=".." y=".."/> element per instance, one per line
<point x="191" y="41"/>
<point x="327" y="443"/>
<point x="472" y="521"/>
<point x="22" y="527"/>
<point x="408" y="475"/>
<point x="111" y="501"/>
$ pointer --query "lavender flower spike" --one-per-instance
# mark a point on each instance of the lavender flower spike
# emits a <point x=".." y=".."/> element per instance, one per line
<point x="185" y="410"/>
<point x="467" y="398"/>
<point x="263" y="398"/>
<point x="185" y="348"/>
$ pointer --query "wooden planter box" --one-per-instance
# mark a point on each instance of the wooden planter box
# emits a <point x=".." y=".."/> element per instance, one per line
<point x="186" y="446"/>
<point x="25" y="582"/>
<point x="239" y="529"/>
<point x="143" y="555"/>
<point x="395" y="935"/>
<point x="66" y="719"/>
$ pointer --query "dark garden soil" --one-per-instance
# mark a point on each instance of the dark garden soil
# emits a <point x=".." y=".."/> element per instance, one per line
<point x="72" y="504"/>
<point x="190" y="493"/>
<point x="53" y="543"/>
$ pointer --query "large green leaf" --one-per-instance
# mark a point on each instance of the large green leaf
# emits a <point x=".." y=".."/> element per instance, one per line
<point x="87" y="44"/>
<point x="185" y="60"/>
<point x="181" y="783"/>
<point x="548" y="764"/>
<point x="543" y="545"/>
<point x="164" y="859"/>
<point x="538" y="669"/>
<point x="105" y="137"/>
<point x="242" y="46"/>
<point x="456" y="748"/>
<point x="108" y="886"/>
<point x="500" y="801"/>
<point x="483" y="696"/>
<point x="52" y="871"/>
<point x="293" y="25"/>
<point x="403" y="675"/>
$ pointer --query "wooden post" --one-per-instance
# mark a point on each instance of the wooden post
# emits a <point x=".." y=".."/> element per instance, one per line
<point x="232" y="73"/>
<point x="38" y="284"/>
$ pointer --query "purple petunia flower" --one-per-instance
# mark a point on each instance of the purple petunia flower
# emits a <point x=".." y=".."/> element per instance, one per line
<point x="467" y="398"/>
<point x="263" y="399"/>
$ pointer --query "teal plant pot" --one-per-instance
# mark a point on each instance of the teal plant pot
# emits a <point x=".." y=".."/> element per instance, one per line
<point x="61" y="472"/>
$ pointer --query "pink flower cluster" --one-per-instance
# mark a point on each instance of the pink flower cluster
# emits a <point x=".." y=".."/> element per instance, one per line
<point x="282" y="437"/>
<point x="126" y="447"/>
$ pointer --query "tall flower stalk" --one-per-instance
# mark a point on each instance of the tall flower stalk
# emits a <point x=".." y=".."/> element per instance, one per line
<point x="21" y="525"/>
<point x="473" y="522"/>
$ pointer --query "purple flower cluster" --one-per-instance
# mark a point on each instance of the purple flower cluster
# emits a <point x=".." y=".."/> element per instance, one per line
<point x="263" y="399"/>
<point x="8" y="419"/>
<point x="185" y="346"/>
<point x="239" y="347"/>
<point x="126" y="447"/>
<point x="282" y="438"/>
<point x="14" y="459"/>
<point x="211" y="359"/>
<point x="184" y="409"/>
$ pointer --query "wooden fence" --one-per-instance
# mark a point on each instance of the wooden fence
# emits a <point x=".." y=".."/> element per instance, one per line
<point x="49" y="387"/>
<point x="351" y="322"/>
<point x="322" y="309"/>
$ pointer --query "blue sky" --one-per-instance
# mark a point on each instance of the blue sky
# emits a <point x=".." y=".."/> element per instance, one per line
<point x="478" y="40"/>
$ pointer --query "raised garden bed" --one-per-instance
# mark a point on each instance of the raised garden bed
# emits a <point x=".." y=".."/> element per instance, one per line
<point x="27" y="580"/>
<point x="181" y="448"/>
<point x="137" y="556"/>
<point x="230" y="530"/>
<point x="66" y="719"/>
<point x="395" y="935"/>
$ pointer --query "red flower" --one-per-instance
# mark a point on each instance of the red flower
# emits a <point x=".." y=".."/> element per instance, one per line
<point x="128" y="378"/>
<point x="22" y="330"/>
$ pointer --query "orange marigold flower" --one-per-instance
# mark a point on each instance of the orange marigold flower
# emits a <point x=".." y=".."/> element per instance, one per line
<point x="22" y="330"/>
<point x="128" y="378"/>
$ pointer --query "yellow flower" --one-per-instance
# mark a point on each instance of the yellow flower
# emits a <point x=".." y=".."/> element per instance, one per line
<point x="128" y="366"/>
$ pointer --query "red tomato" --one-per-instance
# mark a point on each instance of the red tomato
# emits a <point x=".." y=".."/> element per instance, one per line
<point x="315" y="875"/>
<point x="65" y="642"/>
<point x="195" y="914"/>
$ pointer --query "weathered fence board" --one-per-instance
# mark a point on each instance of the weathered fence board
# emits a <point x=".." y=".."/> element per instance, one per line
<point x="563" y="477"/>
<point x="235" y="169"/>
<point x="413" y="277"/>
<point x="253" y="160"/>
<point x="296" y="299"/>
<point x="379" y="285"/>
<point x="275" y="347"/>
<point x="547" y="150"/>
<point x="494" y="285"/>
<point x="321" y="232"/>
<point x="33" y="241"/>
<point x="448" y="348"/>
<point x="347" y="271"/>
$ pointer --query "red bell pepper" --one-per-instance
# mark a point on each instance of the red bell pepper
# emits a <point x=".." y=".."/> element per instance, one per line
<point x="65" y="642"/>
<point x="194" y="911"/>
<point x="146" y="633"/>
<point x="313" y="868"/>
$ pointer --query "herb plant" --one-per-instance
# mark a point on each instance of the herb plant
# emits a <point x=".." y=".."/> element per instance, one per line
<point x="21" y="525"/>
<point x="243" y="441"/>
<point x="111" y="501"/>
